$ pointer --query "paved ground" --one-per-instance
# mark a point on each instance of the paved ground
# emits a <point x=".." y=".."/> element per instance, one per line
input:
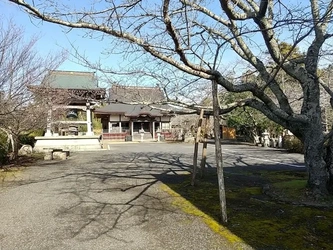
<point x="111" y="199"/>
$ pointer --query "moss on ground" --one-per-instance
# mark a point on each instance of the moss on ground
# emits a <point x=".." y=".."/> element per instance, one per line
<point x="283" y="220"/>
<point x="9" y="174"/>
<point x="14" y="169"/>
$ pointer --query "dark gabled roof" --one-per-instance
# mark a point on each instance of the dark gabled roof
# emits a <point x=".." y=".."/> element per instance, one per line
<point x="70" y="80"/>
<point x="78" y="86"/>
<point x="118" y="93"/>
<point x="131" y="110"/>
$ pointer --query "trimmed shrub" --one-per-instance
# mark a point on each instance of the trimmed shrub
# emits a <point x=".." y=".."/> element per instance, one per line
<point x="27" y="139"/>
<point x="293" y="144"/>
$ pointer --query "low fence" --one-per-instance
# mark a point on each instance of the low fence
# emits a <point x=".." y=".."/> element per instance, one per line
<point x="168" y="136"/>
<point x="115" y="136"/>
<point x="124" y="136"/>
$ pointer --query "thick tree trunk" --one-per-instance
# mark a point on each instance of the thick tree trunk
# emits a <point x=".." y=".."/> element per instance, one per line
<point x="329" y="164"/>
<point x="330" y="177"/>
<point x="313" y="136"/>
<point x="314" y="160"/>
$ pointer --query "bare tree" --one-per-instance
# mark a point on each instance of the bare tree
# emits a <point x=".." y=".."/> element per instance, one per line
<point x="193" y="37"/>
<point x="21" y="68"/>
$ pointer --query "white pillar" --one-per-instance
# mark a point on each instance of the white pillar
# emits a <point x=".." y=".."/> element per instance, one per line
<point x="132" y="129"/>
<point x="89" y="125"/>
<point x="120" y="127"/>
<point x="153" y="130"/>
<point x="48" y="123"/>
<point x="110" y="124"/>
<point x="160" y="126"/>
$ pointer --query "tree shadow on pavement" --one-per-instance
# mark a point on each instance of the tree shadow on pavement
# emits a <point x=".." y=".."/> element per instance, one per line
<point x="112" y="195"/>
<point x="115" y="194"/>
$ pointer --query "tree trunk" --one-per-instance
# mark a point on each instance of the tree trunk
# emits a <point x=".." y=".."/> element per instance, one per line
<point x="196" y="147"/>
<point x="218" y="152"/>
<point x="204" y="151"/>
<point x="329" y="164"/>
<point x="15" y="145"/>
<point x="314" y="160"/>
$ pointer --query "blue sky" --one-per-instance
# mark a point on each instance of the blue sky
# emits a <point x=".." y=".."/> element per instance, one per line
<point x="53" y="38"/>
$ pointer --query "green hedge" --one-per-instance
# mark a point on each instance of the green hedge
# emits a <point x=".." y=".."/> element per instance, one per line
<point x="3" y="149"/>
<point x="293" y="144"/>
<point x="28" y="138"/>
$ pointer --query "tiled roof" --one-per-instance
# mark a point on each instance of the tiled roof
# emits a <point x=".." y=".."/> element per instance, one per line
<point x="120" y="93"/>
<point x="130" y="110"/>
<point x="71" y="80"/>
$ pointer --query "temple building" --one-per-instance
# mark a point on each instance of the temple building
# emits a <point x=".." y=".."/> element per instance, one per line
<point x="127" y="117"/>
<point x="73" y="96"/>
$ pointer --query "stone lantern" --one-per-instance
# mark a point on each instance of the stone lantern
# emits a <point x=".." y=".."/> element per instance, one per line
<point x="158" y="134"/>
<point x="142" y="132"/>
<point x="265" y="136"/>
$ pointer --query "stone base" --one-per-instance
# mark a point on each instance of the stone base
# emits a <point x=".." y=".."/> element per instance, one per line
<point x="59" y="155"/>
<point x="70" y="143"/>
<point x="190" y="139"/>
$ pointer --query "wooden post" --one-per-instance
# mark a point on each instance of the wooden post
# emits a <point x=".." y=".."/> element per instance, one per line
<point x="218" y="151"/>
<point x="204" y="150"/>
<point x="196" y="146"/>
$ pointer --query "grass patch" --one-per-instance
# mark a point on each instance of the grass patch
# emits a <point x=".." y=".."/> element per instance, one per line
<point x="260" y="220"/>
<point x="292" y="184"/>
<point x="12" y="170"/>
<point x="37" y="156"/>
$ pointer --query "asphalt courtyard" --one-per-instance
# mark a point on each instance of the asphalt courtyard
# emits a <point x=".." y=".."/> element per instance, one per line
<point x="114" y="199"/>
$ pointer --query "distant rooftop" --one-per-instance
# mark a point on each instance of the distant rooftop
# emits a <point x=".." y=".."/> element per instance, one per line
<point x="71" y="80"/>
<point x="119" y="93"/>
<point x="133" y="110"/>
